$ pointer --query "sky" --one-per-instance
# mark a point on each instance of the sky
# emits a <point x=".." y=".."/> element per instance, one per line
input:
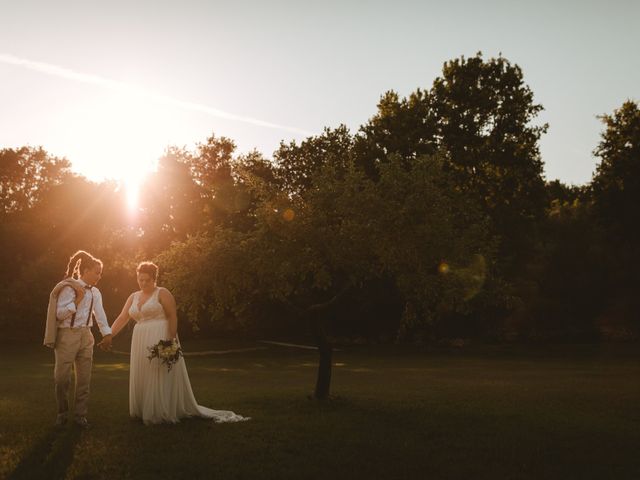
<point x="110" y="85"/>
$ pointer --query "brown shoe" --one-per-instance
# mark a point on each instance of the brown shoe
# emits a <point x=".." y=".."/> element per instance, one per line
<point x="82" y="422"/>
<point x="61" y="419"/>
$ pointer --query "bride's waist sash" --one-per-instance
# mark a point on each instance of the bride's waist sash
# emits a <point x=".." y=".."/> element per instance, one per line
<point x="150" y="320"/>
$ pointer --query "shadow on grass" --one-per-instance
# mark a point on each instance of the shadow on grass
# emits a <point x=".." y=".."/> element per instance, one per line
<point x="50" y="456"/>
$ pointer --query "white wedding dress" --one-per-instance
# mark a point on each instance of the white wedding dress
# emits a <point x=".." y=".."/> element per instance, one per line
<point x="157" y="395"/>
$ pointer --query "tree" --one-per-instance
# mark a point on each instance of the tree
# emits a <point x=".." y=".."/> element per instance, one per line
<point x="171" y="202"/>
<point x="211" y="169"/>
<point x="296" y="164"/>
<point x="572" y="270"/>
<point x="307" y="251"/>
<point x="405" y="127"/>
<point x="616" y="195"/>
<point x="25" y="174"/>
<point x="616" y="182"/>
<point x="480" y="115"/>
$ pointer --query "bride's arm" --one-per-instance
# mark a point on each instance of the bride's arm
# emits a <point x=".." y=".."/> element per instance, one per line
<point x="169" y="305"/>
<point x="123" y="318"/>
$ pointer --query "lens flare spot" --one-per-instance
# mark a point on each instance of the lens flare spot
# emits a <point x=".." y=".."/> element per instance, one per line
<point x="443" y="268"/>
<point x="288" y="214"/>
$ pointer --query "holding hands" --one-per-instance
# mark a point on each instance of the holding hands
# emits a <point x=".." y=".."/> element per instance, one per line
<point x="105" y="344"/>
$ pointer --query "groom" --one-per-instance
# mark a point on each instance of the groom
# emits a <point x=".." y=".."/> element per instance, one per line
<point x="72" y="307"/>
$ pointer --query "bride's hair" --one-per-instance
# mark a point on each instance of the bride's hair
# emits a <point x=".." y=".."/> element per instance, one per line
<point x="149" y="268"/>
<point x="79" y="262"/>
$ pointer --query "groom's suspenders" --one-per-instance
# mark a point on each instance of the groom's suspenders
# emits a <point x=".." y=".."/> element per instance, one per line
<point x="73" y="317"/>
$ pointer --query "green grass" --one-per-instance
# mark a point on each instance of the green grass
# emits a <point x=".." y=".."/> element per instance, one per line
<point x="484" y="414"/>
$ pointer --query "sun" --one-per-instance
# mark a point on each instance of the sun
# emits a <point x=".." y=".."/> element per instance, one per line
<point x="132" y="187"/>
<point x="119" y="137"/>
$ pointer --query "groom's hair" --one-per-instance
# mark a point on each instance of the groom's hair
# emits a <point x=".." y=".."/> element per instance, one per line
<point x="79" y="262"/>
<point x="149" y="268"/>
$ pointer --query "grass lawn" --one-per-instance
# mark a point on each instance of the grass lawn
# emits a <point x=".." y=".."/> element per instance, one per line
<point x="491" y="413"/>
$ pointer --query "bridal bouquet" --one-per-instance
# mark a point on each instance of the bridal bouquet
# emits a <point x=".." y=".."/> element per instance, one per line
<point x="167" y="351"/>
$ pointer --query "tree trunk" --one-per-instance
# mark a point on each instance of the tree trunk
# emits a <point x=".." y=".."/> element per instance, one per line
<point x="325" y="351"/>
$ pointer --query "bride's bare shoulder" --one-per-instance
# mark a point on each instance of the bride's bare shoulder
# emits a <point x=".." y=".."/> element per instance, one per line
<point x="132" y="296"/>
<point x="163" y="291"/>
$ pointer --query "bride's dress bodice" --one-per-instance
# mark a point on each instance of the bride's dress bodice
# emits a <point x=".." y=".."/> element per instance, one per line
<point x="149" y="310"/>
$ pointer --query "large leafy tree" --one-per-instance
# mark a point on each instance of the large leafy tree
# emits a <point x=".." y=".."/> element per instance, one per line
<point x="616" y="182"/>
<point x="171" y="202"/>
<point x="307" y="251"/>
<point x="406" y="127"/>
<point x="194" y="191"/>
<point x="297" y="163"/>
<point x="616" y="195"/>
<point x="222" y="179"/>
<point x="485" y="118"/>
<point x="25" y="174"/>
<point x="572" y="269"/>
<point x="210" y="167"/>
<point x="481" y="114"/>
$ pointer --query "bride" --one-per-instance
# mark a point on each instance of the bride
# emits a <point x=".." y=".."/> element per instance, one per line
<point x="158" y="394"/>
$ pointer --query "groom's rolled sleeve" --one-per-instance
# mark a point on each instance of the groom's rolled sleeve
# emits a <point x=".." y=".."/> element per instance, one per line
<point x="66" y="306"/>
<point x="101" y="317"/>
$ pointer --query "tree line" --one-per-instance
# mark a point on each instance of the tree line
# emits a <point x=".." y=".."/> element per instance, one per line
<point x="431" y="222"/>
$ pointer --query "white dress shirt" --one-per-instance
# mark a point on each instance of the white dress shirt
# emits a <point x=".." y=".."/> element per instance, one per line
<point x="66" y="308"/>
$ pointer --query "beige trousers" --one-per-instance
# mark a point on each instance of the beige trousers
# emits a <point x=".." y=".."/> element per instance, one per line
<point x="74" y="348"/>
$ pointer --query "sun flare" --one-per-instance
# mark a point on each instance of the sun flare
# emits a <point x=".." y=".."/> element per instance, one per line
<point x="132" y="187"/>
<point x="116" y="137"/>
